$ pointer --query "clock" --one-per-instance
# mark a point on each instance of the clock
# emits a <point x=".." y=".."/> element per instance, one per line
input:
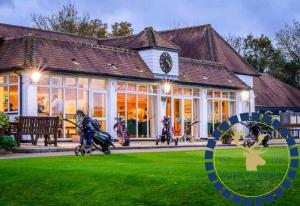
<point x="165" y="62"/>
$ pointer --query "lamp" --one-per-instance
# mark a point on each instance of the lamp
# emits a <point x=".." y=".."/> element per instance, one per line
<point x="35" y="76"/>
<point x="245" y="95"/>
<point x="167" y="87"/>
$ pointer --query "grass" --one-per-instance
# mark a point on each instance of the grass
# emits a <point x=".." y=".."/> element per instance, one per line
<point x="165" y="178"/>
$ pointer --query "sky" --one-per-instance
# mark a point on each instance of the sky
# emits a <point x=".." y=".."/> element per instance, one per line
<point x="239" y="17"/>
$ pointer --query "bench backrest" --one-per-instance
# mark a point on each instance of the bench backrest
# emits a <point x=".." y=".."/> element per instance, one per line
<point x="38" y="125"/>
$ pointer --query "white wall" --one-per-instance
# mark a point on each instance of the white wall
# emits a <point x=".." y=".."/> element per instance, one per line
<point x="111" y="85"/>
<point x="151" y="58"/>
<point x="203" y="113"/>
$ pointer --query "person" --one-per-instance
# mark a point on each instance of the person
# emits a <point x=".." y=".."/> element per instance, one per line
<point x="41" y="105"/>
<point x="57" y="105"/>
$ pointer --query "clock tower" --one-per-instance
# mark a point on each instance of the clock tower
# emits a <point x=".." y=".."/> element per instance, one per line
<point x="159" y="54"/>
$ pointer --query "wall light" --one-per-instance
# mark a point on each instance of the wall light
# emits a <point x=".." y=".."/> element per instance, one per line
<point x="245" y="95"/>
<point x="167" y="87"/>
<point x="35" y="76"/>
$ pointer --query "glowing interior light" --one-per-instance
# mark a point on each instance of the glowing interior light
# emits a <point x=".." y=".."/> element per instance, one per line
<point x="35" y="76"/>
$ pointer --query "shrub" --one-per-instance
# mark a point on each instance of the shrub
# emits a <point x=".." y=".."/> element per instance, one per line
<point x="8" y="143"/>
<point x="4" y="121"/>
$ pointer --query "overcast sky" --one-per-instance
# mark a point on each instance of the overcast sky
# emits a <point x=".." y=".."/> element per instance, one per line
<point x="226" y="16"/>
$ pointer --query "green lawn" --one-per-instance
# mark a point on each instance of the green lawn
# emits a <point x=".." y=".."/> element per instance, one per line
<point x="165" y="178"/>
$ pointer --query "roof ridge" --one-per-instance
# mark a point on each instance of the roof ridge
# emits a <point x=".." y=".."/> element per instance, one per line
<point x="44" y="30"/>
<point x="94" y="46"/>
<point x="200" y="61"/>
<point x="185" y="28"/>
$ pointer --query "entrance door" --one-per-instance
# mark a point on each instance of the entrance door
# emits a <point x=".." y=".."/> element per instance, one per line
<point x="99" y="108"/>
<point x="177" y="114"/>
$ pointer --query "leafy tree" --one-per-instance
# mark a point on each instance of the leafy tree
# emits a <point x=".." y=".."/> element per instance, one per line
<point x="261" y="54"/>
<point x="68" y="20"/>
<point x="121" y="29"/>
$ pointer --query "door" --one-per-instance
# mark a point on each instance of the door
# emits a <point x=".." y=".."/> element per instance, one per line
<point x="177" y="114"/>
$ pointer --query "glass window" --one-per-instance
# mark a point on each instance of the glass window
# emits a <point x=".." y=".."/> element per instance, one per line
<point x="98" y="84"/>
<point x="209" y="93"/>
<point x="131" y="114"/>
<point x="13" y="79"/>
<point x="142" y="115"/>
<point x="188" y="92"/>
<point x="224" y="110"/>
<point x="196" y="92"/>
<point x="99" y="109"/>
<point x="4" y="98"/>
<point x="70" y="101"/>
<point x="57" y="81"/>
<point x="43" y="94"/>
<point x="83" y="101"/>
<point x="83" y="83"/>
<point x="217" y="94"/>
<point x="121" y="105"/>
<point x="57" y="102"/>
<point x="121" y="86"/>
<point x="152" y="88"/>
<point x="13" y="98"/>
<point x="70" y="81"/>
<point x="3" y="79"/>
<point x="44" y="80"/>
<point x="142" y="88"/>
<point x="225" y="95"/>
<point x="131" y="87"/>
<point x="177" y="91"/>
<point x="231" y="108"/>
<point x="232" y="95"/>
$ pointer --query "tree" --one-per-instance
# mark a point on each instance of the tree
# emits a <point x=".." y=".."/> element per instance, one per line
<point x="235" y="42"/>
<point x="121" y="29"/>
<point x="288" y="41"/>
<point x="68" y="20"/>
<point x="261" y="54"/>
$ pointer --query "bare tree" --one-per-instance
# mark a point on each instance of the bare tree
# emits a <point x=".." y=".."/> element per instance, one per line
<point x="235" y="42"/>
<point x="288" y="40"/>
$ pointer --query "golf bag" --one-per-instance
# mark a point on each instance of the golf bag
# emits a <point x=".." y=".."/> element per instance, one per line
<point x="167" y="135"/>
<point x="122" y="132"/>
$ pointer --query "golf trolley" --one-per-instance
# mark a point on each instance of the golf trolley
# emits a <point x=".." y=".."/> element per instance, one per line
<point x="167" y="134"/>
<point x="92" y="137"/>
<point x="187" y="136"/>
<point x="254" y="131"/>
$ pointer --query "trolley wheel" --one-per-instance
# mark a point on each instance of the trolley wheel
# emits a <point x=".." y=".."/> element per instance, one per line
<point x="156" y="142"/>
<point x="77" y="150"/>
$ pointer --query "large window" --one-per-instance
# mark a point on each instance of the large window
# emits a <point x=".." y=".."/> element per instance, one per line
<point x="62" y="96"/>
<point x="9" y="93"/>
<point x="220" y="106"/>
<point x="136" y="104"/>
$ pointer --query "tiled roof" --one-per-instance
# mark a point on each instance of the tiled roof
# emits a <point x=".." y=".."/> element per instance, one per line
<point x="271" y="92"/>
<point x="208" y="73"/>
<point x="59" y="55"/>
<point x="145" y="39"/>
<point x="203" y="42"/>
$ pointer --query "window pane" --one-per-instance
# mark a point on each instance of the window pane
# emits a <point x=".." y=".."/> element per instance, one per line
<point x="210" y="116"/>
<point x="224" y="110"/>
<point x="177" y="91"/>
<point x="188" y="110"/>
<point x="231" y="108"/>
<point x="142" y="88"/>
<point x="188" y="92"/>
<point x="217" y="111"/>
<point x="70" y="129"/>
<point x="142" y="115"/>
<point x="196" y="92"/>
<point x="43" y="101"/>
<point x="131" y="87"/>
<point x="70" y="101"/>
<point x="121" y="86"/>
<point x="3" y="79"/>
<point x="57" y="81"/>
<point x="152" y="88"/>
<point x="3" y="98"/>
<point x="224" y="95"/>
<point x="13" y="79"/>
<point x="232" y="95"/>
<point x="70" y="81"/>
<point x="83" y="101"/>
<point x="98" y="84"/>
<point x="99" y="105"/>
<point x="121" y="105"/>
<point x="44" y="80"/>
<point x="83" y="83"/>
<point x="13" y="98"/>
<point x="209" y="93"/>
<point x="57" y="102"/>
<point x="131" y="114"/>
<point x="217" y="94"/>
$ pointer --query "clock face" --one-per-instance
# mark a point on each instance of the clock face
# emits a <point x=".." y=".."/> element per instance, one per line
<point x="165" y="62"/>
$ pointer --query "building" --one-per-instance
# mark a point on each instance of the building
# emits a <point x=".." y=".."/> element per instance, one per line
<point x="189" y="74"/>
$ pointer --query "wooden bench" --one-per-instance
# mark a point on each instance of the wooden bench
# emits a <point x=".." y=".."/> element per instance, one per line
<point x="37" y="126"/>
